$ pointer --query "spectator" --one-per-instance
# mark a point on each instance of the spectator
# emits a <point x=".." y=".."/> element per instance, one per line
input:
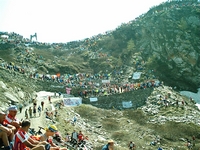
<point x="131" y="145"/>
<point x="74" y="120"/>
<point x="34" y="111"/>
<point x="22" y="141"/>
<point x="42" y="104"/>
<point x="67" y="139"/>
<point x="109" y="146"/>
<point x="80" y="137"/>
<point x="47" y="136"/>
<point x="30" y="112"/>
<point x="193" y="139"/>
<point x="11" y="117"/>
<point x="49" y="98"/>
<point x="20" y="107"/>
<point x="74" y="137"/>
<point x="6" y="131"/>
<point x="39" y="110"/>
<point x="26" y="113"/>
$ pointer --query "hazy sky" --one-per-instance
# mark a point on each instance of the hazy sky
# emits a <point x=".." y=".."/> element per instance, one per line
<point x="68" y="20"/>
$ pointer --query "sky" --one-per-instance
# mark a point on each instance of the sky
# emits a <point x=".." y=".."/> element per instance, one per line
<point x="57" y="21"/>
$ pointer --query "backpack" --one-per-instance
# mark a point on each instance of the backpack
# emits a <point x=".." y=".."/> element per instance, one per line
<point x="105" y="147"/>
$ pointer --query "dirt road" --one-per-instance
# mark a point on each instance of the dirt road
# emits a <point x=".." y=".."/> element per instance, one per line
<point x="38" y="120"/>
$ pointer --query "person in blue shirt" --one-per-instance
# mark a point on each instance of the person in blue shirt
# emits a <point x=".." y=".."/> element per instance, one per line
<point x="109" y="146"/>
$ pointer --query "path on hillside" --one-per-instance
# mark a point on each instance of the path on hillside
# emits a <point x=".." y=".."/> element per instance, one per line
<point x="38" y="120"/>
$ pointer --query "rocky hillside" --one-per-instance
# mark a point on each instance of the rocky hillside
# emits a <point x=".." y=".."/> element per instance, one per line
<point x="167" y="37"/>
<point x="162" y="45"/>
<point x="164" y="40"/>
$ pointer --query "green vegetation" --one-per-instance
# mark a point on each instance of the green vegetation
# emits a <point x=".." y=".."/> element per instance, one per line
<point x="136" y="115"/>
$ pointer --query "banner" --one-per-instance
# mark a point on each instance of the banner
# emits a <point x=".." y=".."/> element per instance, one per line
<point x="68" y="90"/>
<point x="93" y="99"/>
<point x="136" y="75"/>
<point x="72" y="101"/>
<point x="127" y="104"/>
<point x="105" y="81"/>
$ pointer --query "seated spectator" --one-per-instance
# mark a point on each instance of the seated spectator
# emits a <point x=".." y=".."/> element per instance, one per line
<point x="6" y="132"/>
<point x="11" y="117"/>
<point x="22" y="141"/>
<point x="48" y="135"/>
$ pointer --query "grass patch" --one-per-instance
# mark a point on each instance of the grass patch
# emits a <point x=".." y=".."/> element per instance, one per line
<point x="173" y="131"/>
<point x="110" y="124"/>
<point x="89" y="112"/>
<point x="136" y="115"/>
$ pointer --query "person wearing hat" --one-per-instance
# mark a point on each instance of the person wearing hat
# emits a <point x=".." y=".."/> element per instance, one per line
<point x="47" y="136"/>
<point x="6" y="131"/>
<point x="11" y="117"/>
<point x="109" y="146"/>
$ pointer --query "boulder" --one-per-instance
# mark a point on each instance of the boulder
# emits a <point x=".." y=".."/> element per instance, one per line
<point x="11" y="97"/>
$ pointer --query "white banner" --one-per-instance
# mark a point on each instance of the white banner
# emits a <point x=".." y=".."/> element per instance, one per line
<point x="105" y="81"/>
<point x="136" y="75"/>
<point x="93" y="99"/>
<point x="72" y="101"/>
<point x="127" y="104"/>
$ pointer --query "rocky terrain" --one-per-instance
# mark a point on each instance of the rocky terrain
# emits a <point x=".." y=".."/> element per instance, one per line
<point x="163" y="45"/>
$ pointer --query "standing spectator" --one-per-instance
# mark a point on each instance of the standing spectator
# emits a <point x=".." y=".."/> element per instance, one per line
<point x="42" y="104"/>
<point x="74" y="120"/>
<point x="193" y="140"/>
<point x="26" y="113"/>
<point x="20" y="107"/>
<point x="59" y="94"/>
<point x="34" y="102"/>
<point x="49" y="98"/>
<point x="56" y="113"/>
<point x="30" y="112"/>
<point x="74" y="137"/>
<point x="39" y="110"/>
<point x="131" y="145"/>
<point x="11" y="117"/>
<point x="34" y="111"/>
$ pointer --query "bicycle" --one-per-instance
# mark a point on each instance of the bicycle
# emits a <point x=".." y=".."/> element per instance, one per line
<point x="33" y="132"/>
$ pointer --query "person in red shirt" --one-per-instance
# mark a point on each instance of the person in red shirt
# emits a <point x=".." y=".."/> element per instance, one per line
<point x="22" y="141"/>
<point x="11" y="117"/>
<point x="6" y="132"/>
<point x="80" y="136"/>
